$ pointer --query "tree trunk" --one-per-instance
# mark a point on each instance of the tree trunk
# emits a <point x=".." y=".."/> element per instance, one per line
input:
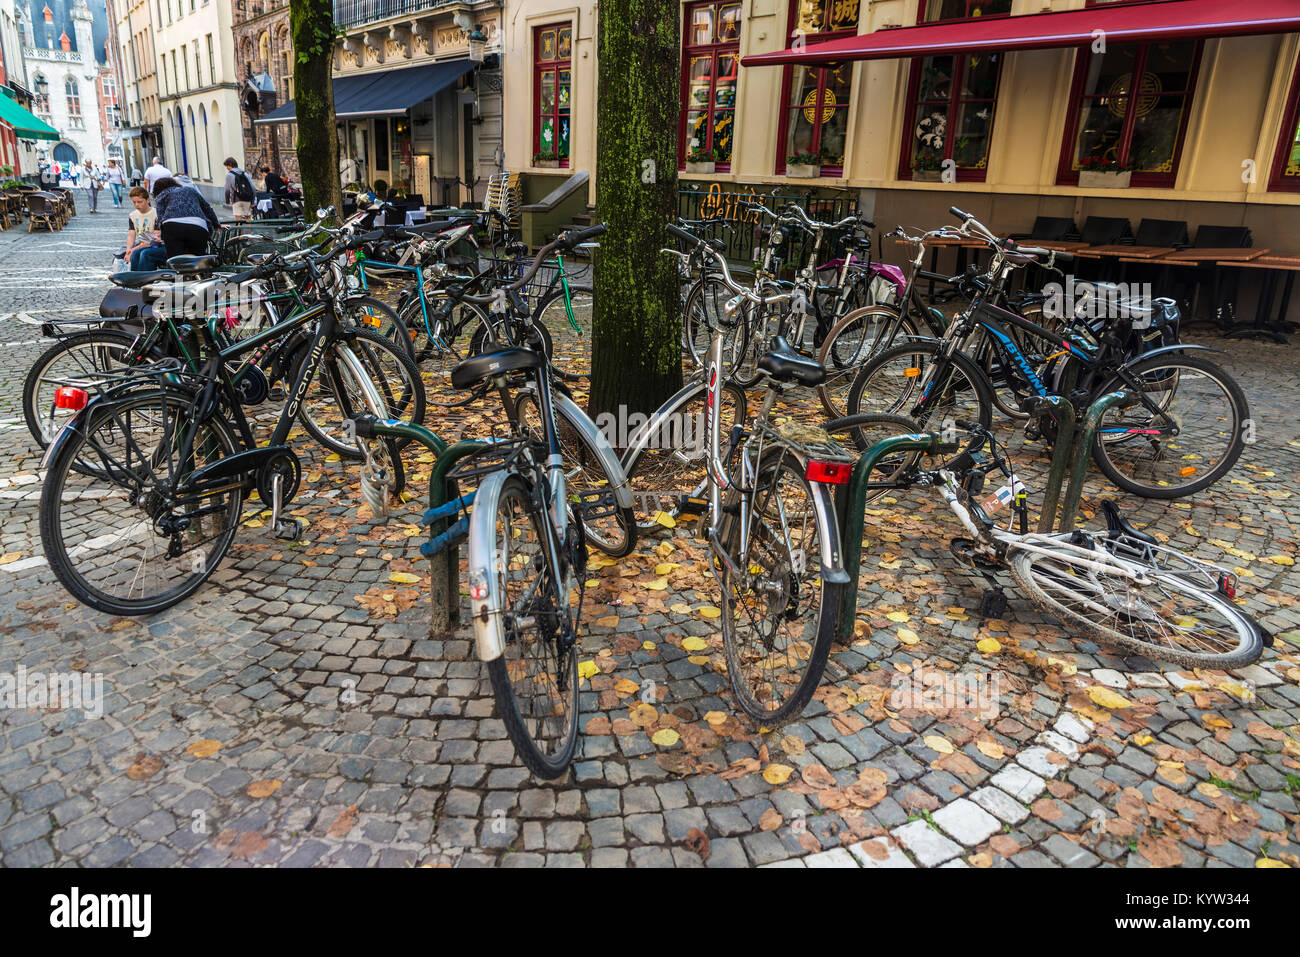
<point x="636" y="335"/>
<point x="312" y="25"/>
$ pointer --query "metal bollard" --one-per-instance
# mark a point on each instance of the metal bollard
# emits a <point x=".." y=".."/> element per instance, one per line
<point x="1059" y="408"/>
<point x="444" y="580"/>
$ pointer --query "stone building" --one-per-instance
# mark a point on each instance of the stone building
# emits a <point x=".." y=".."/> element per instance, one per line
<point x="264" y="64"/>
<point x="63" y="52"/>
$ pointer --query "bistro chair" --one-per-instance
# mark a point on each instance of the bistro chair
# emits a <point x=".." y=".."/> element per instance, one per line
<point x="42" y="209"/>
<point x="1049" y="228"/>
<point x="1162" y="232"/>
<point x="1223" y="296"/>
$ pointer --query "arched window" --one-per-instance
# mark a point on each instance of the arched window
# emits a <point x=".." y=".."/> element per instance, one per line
<point x="194" y="140"/>
<point x="73" y="94"/>
<point x="207" y="143"/>
<point x="264" y="52"/>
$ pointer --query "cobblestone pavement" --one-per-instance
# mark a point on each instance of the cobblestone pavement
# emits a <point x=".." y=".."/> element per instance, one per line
<point x="225" y="739"/>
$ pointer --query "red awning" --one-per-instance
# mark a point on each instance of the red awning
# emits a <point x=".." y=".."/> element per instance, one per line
<point x="1166" y="20"/>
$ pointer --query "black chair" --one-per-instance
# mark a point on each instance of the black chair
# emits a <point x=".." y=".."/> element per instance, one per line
<point x="1051" y="227"/>
<point x="1223" y="237"/>
<point x="1162" y="232"/>
<point x="1105" y="231"/>
<point x="1223" y="301"/>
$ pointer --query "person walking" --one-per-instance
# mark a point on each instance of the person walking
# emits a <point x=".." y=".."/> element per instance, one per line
<point x="186" y="221"/>
<point x="239" y="190"/>
<point x="155" y="172"/>
<point x="137" y="177"/>
<point x="91" y="175"/>
<point x="116" y="181"/>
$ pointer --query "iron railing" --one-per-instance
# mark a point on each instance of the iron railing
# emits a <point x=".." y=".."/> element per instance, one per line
<point x="742" y="231"/>
<point x="349" y="13"/>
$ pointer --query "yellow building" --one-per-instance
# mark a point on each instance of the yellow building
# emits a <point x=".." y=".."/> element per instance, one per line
<point x="1194" y="121"/>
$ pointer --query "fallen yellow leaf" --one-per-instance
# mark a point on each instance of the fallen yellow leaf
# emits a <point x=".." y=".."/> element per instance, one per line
<point x="937" y="743"/>
<point x="709" y="611"/>
<point x="203" y="749"/>
<point x="404" y="578"/>
<point x="694" y="643"/>
<point x="777" y="773"/>
<point x="665" y="737"/>
<point x="989" y="646"/>
<point x="1106" y="698"/>
<point x="907" y="636"/>
<point x="263" y="788"/>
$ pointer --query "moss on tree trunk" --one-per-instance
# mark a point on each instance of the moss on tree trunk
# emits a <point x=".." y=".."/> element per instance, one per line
<point x="636" y="334"/>
<point x="311" y="23"/>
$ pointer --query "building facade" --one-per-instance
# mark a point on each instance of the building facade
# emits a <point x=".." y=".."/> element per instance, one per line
<point x="62" y="59"/>
<point x="198" y="91"/>
<point x="137" y="81"/>
<point x="264" y="64"/>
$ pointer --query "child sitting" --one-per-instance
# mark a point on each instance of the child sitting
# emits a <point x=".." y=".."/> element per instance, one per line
<point x="144" y="250"/>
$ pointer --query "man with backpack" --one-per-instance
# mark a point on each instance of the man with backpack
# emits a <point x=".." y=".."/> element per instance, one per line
<point x="239" y="190"/>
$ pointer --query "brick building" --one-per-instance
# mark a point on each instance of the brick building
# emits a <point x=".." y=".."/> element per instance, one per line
<point x="264" y="65"/>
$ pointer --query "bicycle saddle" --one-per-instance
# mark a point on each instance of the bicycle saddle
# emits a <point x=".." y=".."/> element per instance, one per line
<point x="785" y="365"/>
<point x="473" y="371"/>
<point x="1117" y="524"/>
<point x="192" y="265"/>
<point x="142" y="278"/>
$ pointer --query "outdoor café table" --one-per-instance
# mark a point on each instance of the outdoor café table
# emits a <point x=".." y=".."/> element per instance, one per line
<point x="1274" y="266"/>
<point x="1216" y="258"/>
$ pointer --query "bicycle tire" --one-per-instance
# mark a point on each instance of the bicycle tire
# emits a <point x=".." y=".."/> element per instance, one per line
<point x="1031" y="573"/>
<point x="1105" y="450"/>
<point x="821" y="623"/>
<point x="840" y="357"/>
<point x="523" y="517"/>
<point x="59" y="544"/>
<point x="365" y="310"/>
<point x="570" y="348"/>
<point x="33" y="396"/>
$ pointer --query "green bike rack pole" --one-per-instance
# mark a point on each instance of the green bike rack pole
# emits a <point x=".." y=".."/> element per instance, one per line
<point x="853" y="513"/>
<point x="1059" y="408"/>
<point x="1082" y="451"/>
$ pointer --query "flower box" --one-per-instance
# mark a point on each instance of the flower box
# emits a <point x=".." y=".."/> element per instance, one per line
<point x="547" y="164"/>
<point x="927" y="175"/>
<point x="1111" y="179"/>
<point x="702" y="167"/>
<point x="802" y="170"/>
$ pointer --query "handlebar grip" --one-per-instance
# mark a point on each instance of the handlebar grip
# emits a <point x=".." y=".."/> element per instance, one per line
<point x="358" y="241"/>
<point x="1063" y="257"/>
<point x="678" y="233"/>
<point x="968" y="425"/>
<point x="960" y="214"/>
<point x="572" y="239"/>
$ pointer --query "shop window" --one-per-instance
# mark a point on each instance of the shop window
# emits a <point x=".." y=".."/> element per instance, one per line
<point x="553" y="90"/>
<point x="710" y="58"/>
<point x="1286" y="164"/>
<point x="815" y="119"/>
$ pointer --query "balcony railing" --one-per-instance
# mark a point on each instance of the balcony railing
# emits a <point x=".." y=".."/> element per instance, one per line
<point x="351" y="13"/>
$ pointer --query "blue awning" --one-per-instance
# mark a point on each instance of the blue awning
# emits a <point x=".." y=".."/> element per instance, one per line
<point x="386" y="93"/>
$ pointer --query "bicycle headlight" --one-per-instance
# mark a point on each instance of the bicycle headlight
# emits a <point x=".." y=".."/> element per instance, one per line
<point x="778" y="237"/>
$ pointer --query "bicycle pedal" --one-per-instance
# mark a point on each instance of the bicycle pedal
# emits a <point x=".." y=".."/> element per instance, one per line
<point x="692" y="506"/>
<point x="290" y="530"/>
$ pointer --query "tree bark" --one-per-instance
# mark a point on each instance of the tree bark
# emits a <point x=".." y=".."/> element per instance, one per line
<point x="636" y="329"/>
<point x="311" y="23"/>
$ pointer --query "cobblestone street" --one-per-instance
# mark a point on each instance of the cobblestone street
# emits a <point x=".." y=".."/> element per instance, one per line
<point x="296" y="710"/>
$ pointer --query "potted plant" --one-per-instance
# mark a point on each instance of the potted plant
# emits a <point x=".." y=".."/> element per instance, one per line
<point x="1104" y="172"/>
<point x="927" y="167"/>
<point x="805" y="164"/>
<point x="701" y="161"/>
<point x="546" y="159"/>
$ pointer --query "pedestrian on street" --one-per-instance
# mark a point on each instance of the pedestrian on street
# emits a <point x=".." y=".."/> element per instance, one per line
<point x="185" y="219"/>
<point x="155" y="172"/>
<point x="137" y="177"/>
<point x="240" y="191"/>
<point x="115" y="182"/>
<point x="93" y="184"/>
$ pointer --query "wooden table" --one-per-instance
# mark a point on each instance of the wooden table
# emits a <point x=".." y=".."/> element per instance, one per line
<point x="1192" y="254"/>
<point x="1263" y="327"/>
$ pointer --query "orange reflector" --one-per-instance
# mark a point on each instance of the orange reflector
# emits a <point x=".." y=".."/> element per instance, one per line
<point x="1187" y="470"/>
<point x="372" y="321"/>
<point x="70" y="398"/>
<point x="911" y="373"/>
<point x="828" y="473"/>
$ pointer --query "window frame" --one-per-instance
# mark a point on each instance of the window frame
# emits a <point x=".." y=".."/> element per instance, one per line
<point x="1066" y="175"/>
<point x="787" y="81"/>
<point x="554" y="66"/>
<point x="1286" y="139"/>
<point x="714" y="50"/>
<point x="969" y="174"/>
<point x="920" y="15"/>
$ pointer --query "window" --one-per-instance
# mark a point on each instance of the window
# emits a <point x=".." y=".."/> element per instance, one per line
<point x="163" y="61"/>
<point x="198" y="65"/>
<point x="816" y="115"/>
<point x="933" y="10"/>
<point x="951" y="102"/>
<point x="1129" y="111"/>
<point x="176" y="83"/>
<point x="710" y="56"/>
<point x="552" y="89"/>
<point x="185" y="64"/>
<point x="1286" y="164"/>
<point x="212" y="62"/>
<point x="73" y="94"/>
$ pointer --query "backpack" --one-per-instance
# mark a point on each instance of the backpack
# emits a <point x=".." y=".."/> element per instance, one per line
<point x="243" y="188"/>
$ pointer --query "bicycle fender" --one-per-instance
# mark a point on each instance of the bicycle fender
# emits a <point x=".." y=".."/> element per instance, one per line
<point x="828" y="534"/>
<point x="74" y="424"/>
<point x="486" y="612"/>
<point x="579" y="419"/>
<point x="1182" y="347"/>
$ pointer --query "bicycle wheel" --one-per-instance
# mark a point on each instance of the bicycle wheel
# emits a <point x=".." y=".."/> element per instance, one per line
<point x="372" y="313"/>
<point x="609" y="527"/>
<point x="851" y="342"/>
<point x="778" y="613"/>
<point x="915" y="380"/>
<point x="761" y="324"/>
<point x="704" y="311"/>
<point x="1185" y="434"/>
<point x="1161" y="616"/>
<point x="665" y="459"/>
<point x="121" y="539"/>
<point x="535" y="680"/>
<point x="335" y="396"/>
<point x="81" y="361"/>
<point x="443" y="342"/>
<point x="570" y="347"/>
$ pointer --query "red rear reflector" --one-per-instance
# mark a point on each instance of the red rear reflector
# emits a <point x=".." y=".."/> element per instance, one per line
<point x="1228" y="585"/>
<point x="828" y="473"/>
<point x="70" y="398"/>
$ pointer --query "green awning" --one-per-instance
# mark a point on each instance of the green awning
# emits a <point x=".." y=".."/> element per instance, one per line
<point x="25" y="124"/>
